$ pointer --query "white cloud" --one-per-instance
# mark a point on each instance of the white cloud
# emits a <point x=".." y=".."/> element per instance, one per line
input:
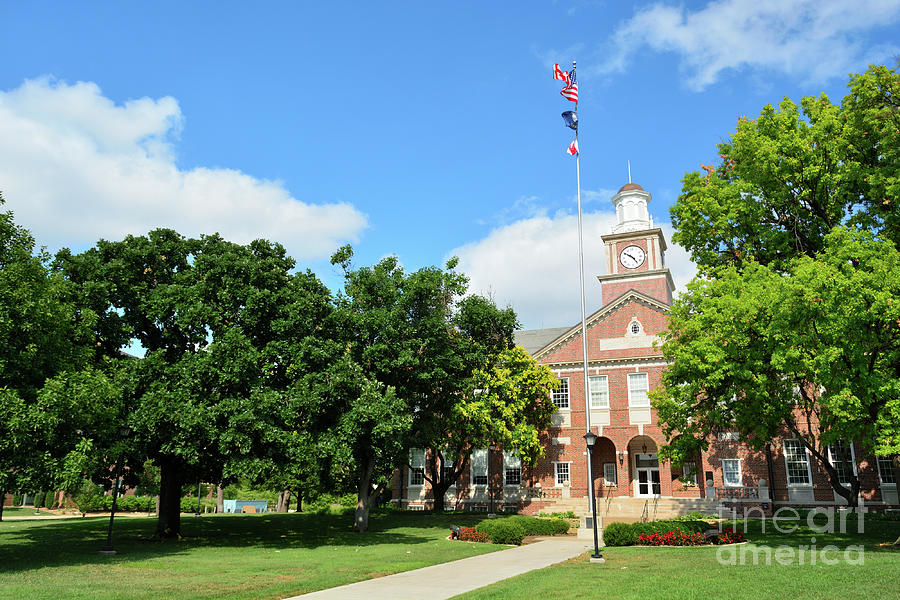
<point x="811" y="39"/>
<point x="532" y="265"/>
<point x="75" y="167"/>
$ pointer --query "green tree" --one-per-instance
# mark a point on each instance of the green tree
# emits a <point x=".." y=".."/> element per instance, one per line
<point x="205" y="401"/>
<point x="791" y="325"/>
<point x="790" y="176"/>
<point x="401" y="337"/>
<point x="41" y="336"/>
<point x="507" y="405"/>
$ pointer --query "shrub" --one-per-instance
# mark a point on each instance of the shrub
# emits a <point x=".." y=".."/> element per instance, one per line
<point x="537" y="526"/>
<point x="39" y="499"/>
<point x="188" y="504"/>
<point x="618" y="534"/>
<point x="559" y="515"/>
<point x="627" y="534"/>
<point x="502" y="531"/>
<point x="17" y="499"/>
<point x="470" y="534"/>
<point x="323" y="503"/>
<point x="87" y="497"/>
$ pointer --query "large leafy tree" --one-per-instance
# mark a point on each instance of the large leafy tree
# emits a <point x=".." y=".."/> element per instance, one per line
<point x="213" y="316"/>
<point x="788" y="177"/>
<point x="403" y="349"/>
<point x="791" y="326"/>
<point x="42" y="335"/>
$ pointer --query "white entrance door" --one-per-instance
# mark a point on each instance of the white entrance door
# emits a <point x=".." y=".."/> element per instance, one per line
<point x="646" y="475"/>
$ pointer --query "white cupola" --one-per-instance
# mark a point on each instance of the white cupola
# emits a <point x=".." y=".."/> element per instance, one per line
<point x="632" y="213"/>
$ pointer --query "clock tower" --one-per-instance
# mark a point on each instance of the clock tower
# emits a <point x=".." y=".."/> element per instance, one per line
<point x="635" y="250"/>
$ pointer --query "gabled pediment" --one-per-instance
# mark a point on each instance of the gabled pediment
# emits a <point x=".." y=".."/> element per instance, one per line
<point x="600" y="315"/>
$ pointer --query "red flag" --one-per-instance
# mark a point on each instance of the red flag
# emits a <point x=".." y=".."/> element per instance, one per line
<point x="560" y="74"/>
<point x="573" y="148"/>
<point x="570" y="92"/>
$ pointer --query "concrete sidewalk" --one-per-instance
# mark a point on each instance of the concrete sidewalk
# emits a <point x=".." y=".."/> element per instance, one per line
<point x="450" y="579"/>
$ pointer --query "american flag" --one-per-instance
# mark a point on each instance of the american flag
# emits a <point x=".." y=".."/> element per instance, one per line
<point x="573" y="148"/>
<point x="570" y="92"/>
<point x="560" y="74"/>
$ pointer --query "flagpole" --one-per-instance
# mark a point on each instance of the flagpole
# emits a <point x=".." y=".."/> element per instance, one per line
<point x="584" y="354"/>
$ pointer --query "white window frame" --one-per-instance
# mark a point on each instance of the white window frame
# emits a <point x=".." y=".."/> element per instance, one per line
<point x="687" y="474"/>
<point x="614" y="481"/>
<point x="740" y="474"/>
<point x="601" y="393"/>
<point x="444" y="467"/>
<point x="556" y="473"/>
<point x="512" y="462"/>
<point x="787" y="471"/>
<point x="729" y="436"/>
<point x="472" y="472"/>
<point x="416" y="467"/>
<point x="879" y="460"/>
<point x="561" y="395"/>
<point x="632" y="390"/>
<point x="831" y="459"/>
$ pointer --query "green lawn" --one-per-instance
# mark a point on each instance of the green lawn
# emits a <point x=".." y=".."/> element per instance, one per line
<point x="682" y="573"/>
<point x="233" y="556"/>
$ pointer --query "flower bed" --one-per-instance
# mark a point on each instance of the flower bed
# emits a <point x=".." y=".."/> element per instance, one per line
<point x="668" y="533"/>
<point x="672" y="538"/>
<point x="470" y="534"/>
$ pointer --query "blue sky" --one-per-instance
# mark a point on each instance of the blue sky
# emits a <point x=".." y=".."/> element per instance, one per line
<point x="423" y="130"/>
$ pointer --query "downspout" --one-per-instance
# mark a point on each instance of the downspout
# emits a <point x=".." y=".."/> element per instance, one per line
<point x="771" y="470"/>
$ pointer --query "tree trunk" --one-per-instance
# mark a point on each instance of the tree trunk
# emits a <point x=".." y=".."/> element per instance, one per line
<point x="299" y="500"/>
<point x="361" y="518"/>
<point x="2" y="502"/>
<point x="156" y="505"/>
<point x="168" y="525"/>
<point x="287" y="501"/>
<point x="439" y="490"/>
<point x="279" y="506"/>
<point x="220" y="499"/>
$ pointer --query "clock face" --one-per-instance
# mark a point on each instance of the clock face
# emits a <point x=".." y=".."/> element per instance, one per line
<point x="632" y="257"/>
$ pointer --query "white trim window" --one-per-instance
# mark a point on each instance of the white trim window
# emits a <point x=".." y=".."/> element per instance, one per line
<point x="886" y="470"/>
<point x="689" y="472"/>
<point x="599" y="391"/>
<point x="560" y="396"/>
<point x="512" y="469"/>
<point x="447" y="470"/>
<point x="610" y="477"/>
<point x="731" y="472"/>
<point x="417" y="467"/>
<point x="796" y="463"/>
<point x="479" y="467"/>
<point x="638" y="387"/>
<point x="843" y="459"/>
<point x="562" y="471"/>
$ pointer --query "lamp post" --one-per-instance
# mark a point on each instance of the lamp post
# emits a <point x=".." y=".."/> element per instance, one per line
<point x="124" y="431"/>
<point x="491" y="448"/>
<point x="591" y="438"/>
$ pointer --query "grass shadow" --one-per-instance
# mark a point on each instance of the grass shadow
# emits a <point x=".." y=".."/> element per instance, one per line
<point x="28" y="545"/>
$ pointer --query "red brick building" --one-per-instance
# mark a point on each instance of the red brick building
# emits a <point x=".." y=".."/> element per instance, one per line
<point x="623" y="366"/>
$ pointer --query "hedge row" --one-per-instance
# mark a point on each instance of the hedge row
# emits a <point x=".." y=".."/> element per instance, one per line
<point x="512" y="530"/>
<point x="626" y="534"/>
<point x="123" y="503"/>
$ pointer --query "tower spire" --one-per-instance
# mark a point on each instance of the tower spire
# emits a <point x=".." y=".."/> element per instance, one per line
<point x="629" y="171"/>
